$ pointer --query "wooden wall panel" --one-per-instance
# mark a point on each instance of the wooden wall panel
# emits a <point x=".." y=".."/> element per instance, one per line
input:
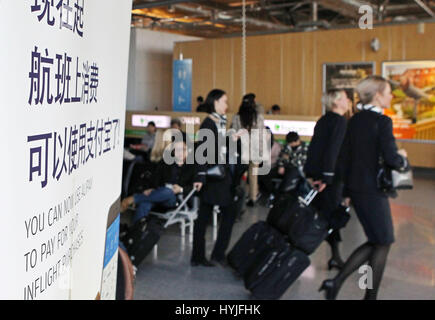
<point x="396" y="44"/>
<point x="236" y="98"/>
<point x="264" y="78"/>
<point x="223" y="67"/>
<point x="419" y="46"/>
<point x="309" y="76"/>
<point x="287" y="68"/>
<point x="293" y="74"/>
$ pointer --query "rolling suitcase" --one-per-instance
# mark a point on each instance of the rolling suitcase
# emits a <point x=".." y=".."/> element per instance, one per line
<point x="142" y="238"/>
<point x="247" y="246"/>
<point x="271" y="239"/>
<point x="307" y="228"/>
<point x="275" y="272"/>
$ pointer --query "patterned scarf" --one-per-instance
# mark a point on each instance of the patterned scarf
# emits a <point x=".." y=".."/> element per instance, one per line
<point x="222" y="120"/>
<point x="221" y="125"/>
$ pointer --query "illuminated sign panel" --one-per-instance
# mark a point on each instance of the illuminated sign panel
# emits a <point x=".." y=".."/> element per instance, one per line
<point x="282" y="127"/>
<point x="190" y="120"/>
<point x="142" y="120"/>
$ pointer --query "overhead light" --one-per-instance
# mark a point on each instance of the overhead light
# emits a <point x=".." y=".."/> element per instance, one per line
<point x="400" y="18"/>
<point x="224" y="16"/>
<point x="239" y="4"/>
<point x="171" y="9"/>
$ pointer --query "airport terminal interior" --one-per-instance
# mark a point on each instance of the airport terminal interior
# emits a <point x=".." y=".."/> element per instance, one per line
<point x="289" y="54"/>
<point x="409" y="274"/>
<point x="217" y="150"/>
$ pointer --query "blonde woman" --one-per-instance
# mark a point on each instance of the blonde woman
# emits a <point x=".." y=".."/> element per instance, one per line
<point x="159" y="146"/>
<point x="369" y="136"/>
<point x="168" y="181"/>
<point x="322" y="163"/>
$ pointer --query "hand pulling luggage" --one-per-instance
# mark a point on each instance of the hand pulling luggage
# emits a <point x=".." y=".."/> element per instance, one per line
<point x="144" y="235"/>
<point x="306" y="192"/>
<point x="307" y="228"/>
<point x="253" y="241"/>
<point x="273" y="275"/>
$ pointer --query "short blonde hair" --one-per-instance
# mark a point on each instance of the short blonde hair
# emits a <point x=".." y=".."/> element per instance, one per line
<point x="329" y="98"/>
<point x="368" y="87"/>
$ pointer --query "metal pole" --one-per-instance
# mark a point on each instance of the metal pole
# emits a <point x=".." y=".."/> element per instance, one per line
<point x="244" y="48"/>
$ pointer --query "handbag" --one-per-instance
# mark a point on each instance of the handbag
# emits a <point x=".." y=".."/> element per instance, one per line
<point x="307" y="228"/>
<point x="216" y="172"/>
<point x="390" y="179"/>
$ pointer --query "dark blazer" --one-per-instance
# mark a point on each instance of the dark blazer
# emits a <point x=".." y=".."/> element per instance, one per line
<point x="184" y="176"/>
<point x="369" y="134"/>
<point x="215" y="192"/>
<point x="324" y="147"/>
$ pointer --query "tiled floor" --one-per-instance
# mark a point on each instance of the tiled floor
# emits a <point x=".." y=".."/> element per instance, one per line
<point x="409" y="274"/>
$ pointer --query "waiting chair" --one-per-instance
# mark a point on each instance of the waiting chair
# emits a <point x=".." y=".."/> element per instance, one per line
<point x="183" y="213"/>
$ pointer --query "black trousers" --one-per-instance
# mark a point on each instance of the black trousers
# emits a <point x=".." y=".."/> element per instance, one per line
<point x="224" y="233"/>
<point x="265" y="181"/>
<point x="327" y="201"/>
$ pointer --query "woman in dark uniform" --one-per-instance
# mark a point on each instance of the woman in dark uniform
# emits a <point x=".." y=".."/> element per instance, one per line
<point x="322" y="163"/>
<point x="214" y="192"/>
<point x="369" y="135"/>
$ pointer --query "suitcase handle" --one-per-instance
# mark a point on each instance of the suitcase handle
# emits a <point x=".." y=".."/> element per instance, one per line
<point x="308" y="198"/>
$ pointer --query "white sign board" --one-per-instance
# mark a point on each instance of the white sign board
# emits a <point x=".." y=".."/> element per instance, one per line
<point x="303" y="128"/>
<point x="141" y="120"/>
<point x="63" y="90"/>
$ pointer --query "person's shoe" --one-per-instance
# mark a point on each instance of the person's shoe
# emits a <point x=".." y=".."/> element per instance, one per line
<point x="331" y="289"/>
<point x="204" y="263"/>
<point x="335" y="263"/>
<point x="222" y="262"/>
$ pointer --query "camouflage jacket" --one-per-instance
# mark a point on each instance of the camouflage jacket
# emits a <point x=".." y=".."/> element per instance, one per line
<point x="296" y="158"/>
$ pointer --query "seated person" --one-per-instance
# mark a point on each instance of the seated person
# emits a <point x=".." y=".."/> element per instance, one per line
<point x="170" y="180"/>
<point x="275" y="109"/>
<point x="293" y="155"/>
<point x="176" y="124"/>
<point x="148" y="139"/>
<point x="275" y="149"/>
<point x="159" y="146"/>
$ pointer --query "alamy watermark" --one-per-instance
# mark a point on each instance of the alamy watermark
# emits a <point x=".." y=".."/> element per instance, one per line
<point x="233" y="147"/>
<point x="366" y="20"/>
<point x="366" y="280"/>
